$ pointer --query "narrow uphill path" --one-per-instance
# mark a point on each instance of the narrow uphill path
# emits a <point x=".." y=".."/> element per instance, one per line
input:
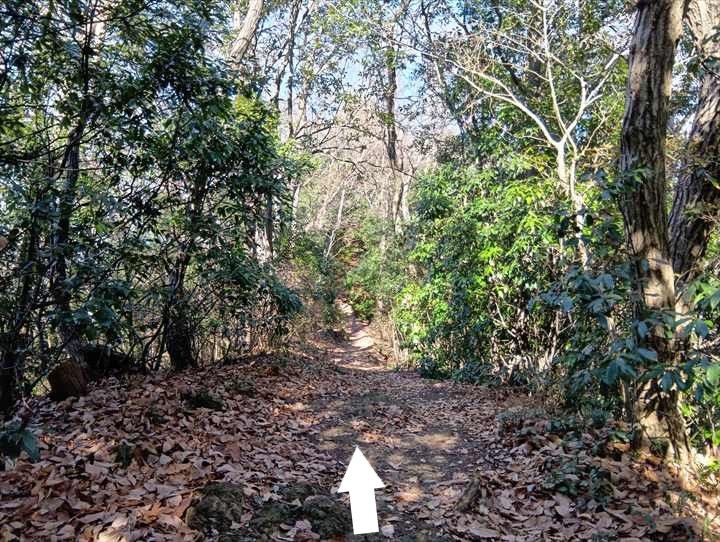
<point x="133" y="460"/>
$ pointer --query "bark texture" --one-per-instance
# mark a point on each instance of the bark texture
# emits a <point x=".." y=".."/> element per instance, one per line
<point x="179" y="337"/>
<point x="695" y="205"/>
<point x="178" y="330"/>
<point x="658" y="27"/>
<point x="67" y="380"/>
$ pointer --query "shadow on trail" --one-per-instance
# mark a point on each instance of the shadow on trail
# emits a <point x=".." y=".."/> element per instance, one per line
<point x="415" y="432"/>
<point x="434" y="443"/>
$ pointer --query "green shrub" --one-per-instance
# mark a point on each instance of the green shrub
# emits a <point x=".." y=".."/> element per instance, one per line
<point x="16" y="438"/>
<point x="483" y="245"/>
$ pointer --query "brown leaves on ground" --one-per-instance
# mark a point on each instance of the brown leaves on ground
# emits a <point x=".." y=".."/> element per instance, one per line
<point x="127" y="461"/>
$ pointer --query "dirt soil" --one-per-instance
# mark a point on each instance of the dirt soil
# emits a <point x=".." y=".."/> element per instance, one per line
<point x="141" y="459"/>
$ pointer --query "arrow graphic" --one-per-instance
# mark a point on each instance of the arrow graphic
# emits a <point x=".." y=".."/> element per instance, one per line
<point x="361" y="482"/>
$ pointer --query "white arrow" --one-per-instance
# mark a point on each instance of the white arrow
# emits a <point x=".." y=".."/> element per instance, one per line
<point x="361" y="482"/>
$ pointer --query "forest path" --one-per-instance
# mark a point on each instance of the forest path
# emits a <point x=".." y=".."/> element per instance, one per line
<point x="424" y="438"/>
<point x="130" y="460"/>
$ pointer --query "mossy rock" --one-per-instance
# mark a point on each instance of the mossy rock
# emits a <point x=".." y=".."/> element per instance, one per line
<point x="203" y="398"/>
<point x="268" y="519"/>
<point x="242" y="387"/>
<point x="298" y="492"/>
<point x="220" y="506"/>
<point x="328" y="516"/>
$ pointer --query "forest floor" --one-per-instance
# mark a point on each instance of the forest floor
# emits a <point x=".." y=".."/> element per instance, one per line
<point x="133" y="460"/>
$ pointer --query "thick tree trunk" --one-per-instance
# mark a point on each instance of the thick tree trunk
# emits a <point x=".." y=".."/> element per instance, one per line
<point x="642" y="148"/>
<point x="698" y="193"/>
<point x="179" y="334"/>
<point x="658" y="27"/>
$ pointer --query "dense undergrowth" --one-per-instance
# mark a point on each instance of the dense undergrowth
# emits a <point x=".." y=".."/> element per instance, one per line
<point x="482" y="285"/>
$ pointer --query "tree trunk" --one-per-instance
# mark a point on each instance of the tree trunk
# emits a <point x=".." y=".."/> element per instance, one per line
<point x="658" y="27"/>
<point x="179" y="335"/>
<point x="67" y="380"/>
<point x="290" y="59"/>
<point x="397" y="195"/>
<point x="246" y="31"/>
<point x="296" y="189"/>
<point x="67" y="331"/>
<point x="567" y="175"/>
<point x="338" y="222"/>
<point x="642" y="148"/>
<point x="269" y="225"/>
<point x="698" y="194"/>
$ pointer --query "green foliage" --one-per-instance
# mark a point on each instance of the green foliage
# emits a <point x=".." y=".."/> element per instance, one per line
<point x="319" y="274"/>
<point x="16" y="438"/>
<point x="483" y="242"/>
<point x="375" y="278"/>
<point x="158" y="240"/>
<point x="607" y="355"/>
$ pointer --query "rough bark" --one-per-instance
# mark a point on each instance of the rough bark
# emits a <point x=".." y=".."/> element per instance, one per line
<point x="697" y="195"/>
<point x="67" y="380"/>
<point x="658" y="27"/>
<point x="178" y="337"/>
<point x="642" y="148"/>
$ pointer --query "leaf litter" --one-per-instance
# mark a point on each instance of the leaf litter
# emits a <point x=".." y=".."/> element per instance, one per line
<point x="129" y="461"/>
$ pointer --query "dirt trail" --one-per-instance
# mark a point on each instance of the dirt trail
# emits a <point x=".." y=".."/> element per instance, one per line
<point x="130" y="461"/>
<point x="424" y="438"/>
<point x="463" y="462"/>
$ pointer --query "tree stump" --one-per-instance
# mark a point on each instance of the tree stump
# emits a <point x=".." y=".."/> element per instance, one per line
<point x="67" y="380"/>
